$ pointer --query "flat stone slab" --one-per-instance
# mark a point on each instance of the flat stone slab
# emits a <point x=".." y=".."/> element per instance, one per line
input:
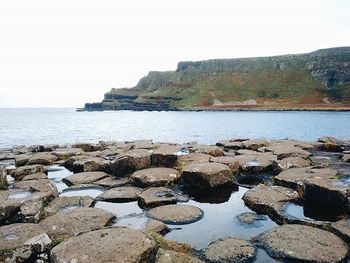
<point x="120" y="194"/>
<point x="84" y="178"/>
<point x="76" y="221"/>
<point x="43" y="185"/>
<point x="342" y="228"/>
<point x="269" y="200"/>
<point x="43" y="158"/>
<point x="36" y="176"/>
<point x="303" y="243"/>
<point x="288" y="163"/>
<point x="155" y="177"/>
<point x="15" y="236"/>
<point x="193" y="158"/>
<point x="155" y="226"/>
<point x="157" y="196"/>
<point x="113" y="245"/>
<point x="65" y="153"/>
<point x="66" y="203"/>
<point x="286" y="149"/>
<point x="169" y="256"/>
<point x="207" y="175"/>
<point x="176" y="214"/>
<point x="211" y="150"/>
<point x="111" y="182"/>
<point x="295" y="177"/>
<point x="230" y="249"/>
<point x="130" y="162"/>
<point x="22" y="171"/>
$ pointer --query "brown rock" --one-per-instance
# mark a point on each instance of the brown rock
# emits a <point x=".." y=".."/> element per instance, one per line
<point x="120" y="194"/>
<point x="20" y="172"/>
<point x="65" y="153"/>
<point x="165" y="156"/>
<point x="111" y="182"/>
<point x="155" y="176"/>
<point x="84" y="178"/>
<point x="36" y="176"/>
<point x="155" y="226"/>
<point x="176" y="214"/>
<point x="42" y="158"/>
<point x="193" y="158"/>
<point x="288" y="163"/>
<point x="156" y="196"/>
<point x="169" y="256"/>
<point x="65" y="203"/>
<point x="113" y="245"/>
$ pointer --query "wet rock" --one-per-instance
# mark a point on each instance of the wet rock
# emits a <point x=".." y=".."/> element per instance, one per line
<point x="303" y="243"/>
<point x="169" y="256"/>
<point x="112" y="245"/>
<point x="21" y="159"/>
<point x="41" y="158"/>
<point x="65" y="153"/>
<point x="156" y="196"/>
<point x="43" y="185"/>
<point x="269" y="200"/>
<point x="143" y="144"/>
<point x="250" y="218"/>
<point x="66" y="203"/>
<point x="165" y="156"/>
<point x="342" y="229"/>
<point x="207" y="175"/>
<point x="120" y="194"/>
<point x="288" y="149"/>
<point x="18" y="239"/>
<point x="97" y="164"/>
<point x="73" y="165"/>
<point x="254" y="144"/>
<point x="36" y="176"/>
<point x="193" y="158"/>
<point x="207" y="149"/>
<point x="246" y="152"/>
<point x="110" y="182"/>
<point x="155" y="176"/>
<point x="288" y="163"/>
<point x="87" y="147"/>
<point x="76" y="221"/>
<point x="295" y="177"/>
<point x="330" y="144"/>
<point x="31" y="211"/>
<point x="12" y="200"/>
<point x="155" y="226"/>
<point x="130" y="162"/>
<point x="3" y="180"/>
<point x="84" y="178"/>
<point x="176" y="214"/>
<point x="327" y="191"/>
<point x="230" y="250"/>
<point x="20" y="172"/>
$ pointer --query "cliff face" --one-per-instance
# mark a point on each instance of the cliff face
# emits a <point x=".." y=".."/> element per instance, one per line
<point x="317" y="79"/>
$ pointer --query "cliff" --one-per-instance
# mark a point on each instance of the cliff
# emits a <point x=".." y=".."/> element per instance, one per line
<point x="317" y="80"/>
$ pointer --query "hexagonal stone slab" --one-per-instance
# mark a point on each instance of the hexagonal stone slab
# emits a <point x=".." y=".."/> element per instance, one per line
<point x="295" y="177"/>
<point x="176" y="214"/>
<point x="20" y="172"/>
<point x="207" y="175"/>
<point x="288" y="163"/>
<point x="15" y="236"/>
<point x="193" y="158"/>
<point x="156" y="196"/>
<point x="76" y="221"/>
<point x="303" y="243"/>
<point x="120" y="194"/>
<point x="130" y="162"/>
<point x="165" y="155"/>
<point x="113" y="245"/>
<point x="168" y="256"/>
<point x="155" y="176"/>
<point x="111" y="182"/>
<point x="230" y="249"/>
<point x="84" y="178"/>
<point x="66" y="203"/>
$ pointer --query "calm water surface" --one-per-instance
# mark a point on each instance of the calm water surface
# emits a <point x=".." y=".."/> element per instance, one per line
<point x="40" y="126"/>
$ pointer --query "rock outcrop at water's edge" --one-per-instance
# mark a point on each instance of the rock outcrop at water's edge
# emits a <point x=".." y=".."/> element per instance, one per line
<point x="119" y="198"/>
<point x="318" y="80"/>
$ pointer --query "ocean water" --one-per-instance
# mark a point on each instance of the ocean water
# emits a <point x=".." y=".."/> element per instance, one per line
<point x="65" y="125"/>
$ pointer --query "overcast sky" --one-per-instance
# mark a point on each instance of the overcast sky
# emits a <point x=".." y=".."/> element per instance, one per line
<point x="68" y="52"/>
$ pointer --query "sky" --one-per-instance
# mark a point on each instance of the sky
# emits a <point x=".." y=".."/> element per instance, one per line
<point x="67" y="52"/>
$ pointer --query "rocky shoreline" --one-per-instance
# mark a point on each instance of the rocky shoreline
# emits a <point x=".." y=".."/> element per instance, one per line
<point x="52" y="200"/>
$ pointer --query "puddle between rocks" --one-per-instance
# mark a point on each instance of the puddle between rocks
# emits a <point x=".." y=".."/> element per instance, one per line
<point x="92" y="192"/>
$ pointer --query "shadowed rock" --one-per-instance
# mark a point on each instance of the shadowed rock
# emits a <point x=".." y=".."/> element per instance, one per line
<point x="20" y="172"/>
<point x="303" y="243"/>
<point x="113" y="245"/>
<point x="165" y="156"/>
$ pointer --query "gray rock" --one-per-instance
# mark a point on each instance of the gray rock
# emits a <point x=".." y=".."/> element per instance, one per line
<point x="36" y="176"/>
<point x="41" y="158"/>
<point x="3" y="180"/>
<point x="20" y="172"/>
<point x="31" y="211"/>
<point x="176" y="214"/>
<point x="66" y="203"/>
<point x="43" y="185"/>
<point x="193" y="158"/>
<point x="114" y="245"/>
<point x="155" y="226"/>
<point x="111" y="182"/>
<point x="165" y="156"/>
<point x="303" y="243"/>
<point x="169" y="256"/>
<point x="230" y="249"/>
<point x="288" y="163"/>
<point x="65" y="153"/>
<point x="155" y="177"/>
